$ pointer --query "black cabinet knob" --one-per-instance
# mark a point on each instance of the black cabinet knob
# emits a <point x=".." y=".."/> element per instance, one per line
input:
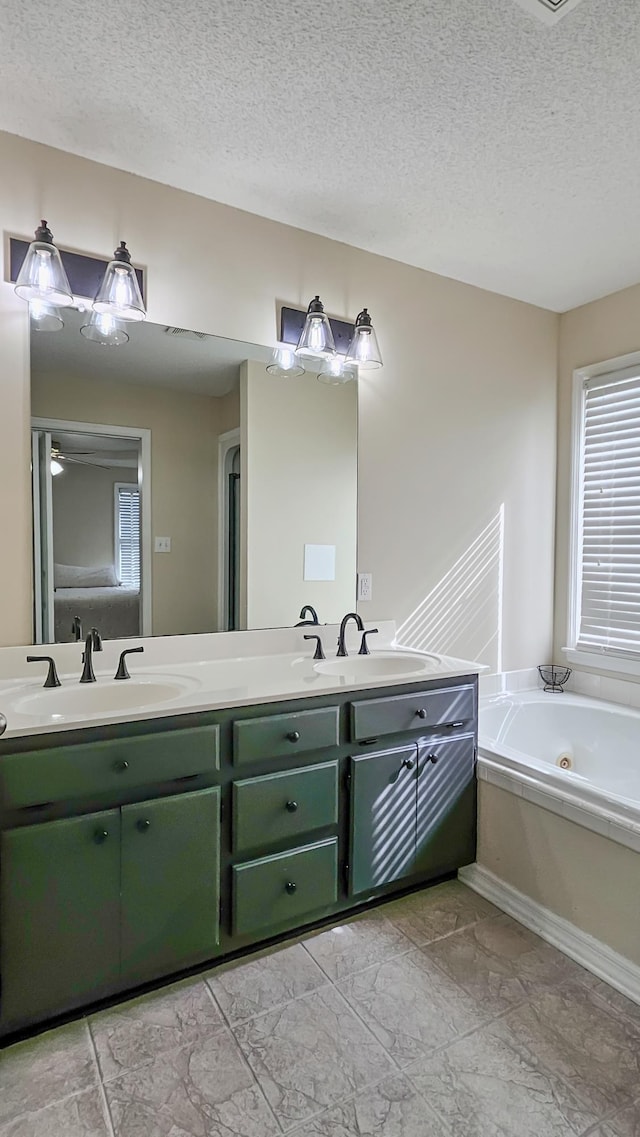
<point x="421" y="713"/>
<point x="121" y="765"/>
<point x="432" y="758"/>
<point x="290" y="887"/>
<point x="143" y="824"/>
<point x="100" y="836"/>
<point x="291" y="806"/>
<point x="293" y="735"/>
<point x="408" y="764"/>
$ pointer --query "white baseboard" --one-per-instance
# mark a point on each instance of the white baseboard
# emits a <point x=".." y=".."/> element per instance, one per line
<point x="592" y="954"/>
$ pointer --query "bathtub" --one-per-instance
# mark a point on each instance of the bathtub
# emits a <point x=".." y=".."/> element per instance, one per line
<point x="523" y="737"/>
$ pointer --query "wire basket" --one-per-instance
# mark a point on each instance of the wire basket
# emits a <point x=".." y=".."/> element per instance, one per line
<point x="553" y="676"/>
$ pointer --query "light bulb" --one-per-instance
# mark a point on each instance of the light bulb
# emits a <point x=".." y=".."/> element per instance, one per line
<point x="119" y="292"/>
<point x="56" y="467"/>
<point x="284" y="363"/>
<point x="103" y="328"/>
<point x="337" y="370"/>
<point x="316" y="338"/>
<point x="44" y="317"/>
<point x="364" y="349"/>
<point x="44" y="276"/>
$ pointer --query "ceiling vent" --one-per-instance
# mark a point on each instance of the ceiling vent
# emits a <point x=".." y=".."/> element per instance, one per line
<point x="549" y="11"/>
<point x="186" y="334"/>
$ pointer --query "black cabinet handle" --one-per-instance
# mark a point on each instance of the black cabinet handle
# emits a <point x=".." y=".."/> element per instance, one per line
<point x="421" y="713"/>
<point x="143" y="824"/>
<point x="121" y="765"/>
<point x="408" y="764"/>
<point x="457" y="725"/>
<point x="293" y="736"/>
<point x="433" y="758"/>
<point x="291" y="806"/>
<point x="100" y="836"/>
<point x="290" y="887"/>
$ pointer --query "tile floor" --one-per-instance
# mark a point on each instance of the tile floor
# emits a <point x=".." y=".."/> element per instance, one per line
<point x="434" y="1016"/>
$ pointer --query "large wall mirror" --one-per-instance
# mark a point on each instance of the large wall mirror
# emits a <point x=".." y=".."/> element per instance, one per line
<point x="180" y="488"/>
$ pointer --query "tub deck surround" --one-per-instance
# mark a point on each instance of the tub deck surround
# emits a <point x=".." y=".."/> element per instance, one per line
<point x="266" y="797"/>
<point x="192" y="674"/>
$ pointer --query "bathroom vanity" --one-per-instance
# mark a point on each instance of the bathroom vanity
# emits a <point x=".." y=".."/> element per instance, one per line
<point x="132" y="850"/>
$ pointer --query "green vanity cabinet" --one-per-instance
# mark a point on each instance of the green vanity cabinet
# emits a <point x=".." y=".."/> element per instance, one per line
<point x="413" y="812"/>
<point x="170" y="889"/>
<point x="60" y="907"/>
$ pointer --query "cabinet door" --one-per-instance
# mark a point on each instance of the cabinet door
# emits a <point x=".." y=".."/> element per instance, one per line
<point x="383" y="817"/>
<point x="446" y="826"/>
<point x="59" y="907"/>
<point x="170" y="883"/>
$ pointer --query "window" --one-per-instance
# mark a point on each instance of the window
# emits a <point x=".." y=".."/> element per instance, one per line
<point x="605" y="600"/>
<point x="127" y="534"/>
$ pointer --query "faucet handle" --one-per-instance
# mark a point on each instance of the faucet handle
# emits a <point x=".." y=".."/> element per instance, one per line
<point x="318" y="653"/>
<point x="96" y="640"/>
<point x="123" y="670"/>
<point x="364" y="646"/>
<point x="52" y="679"/>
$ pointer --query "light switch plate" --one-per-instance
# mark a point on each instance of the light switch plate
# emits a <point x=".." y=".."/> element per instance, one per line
<point x="365" y="585"/>
<point x="162" y="545"/>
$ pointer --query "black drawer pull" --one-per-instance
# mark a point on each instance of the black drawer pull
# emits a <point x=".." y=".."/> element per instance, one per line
<point x="143" y="824"/>
<point x="291" y="806"/>
<point x="368" y="741"/>
<point x="408" y="764"/>
<point x="422" y="713"/>
<point x="121" y="765"/>
<point x="293" y="736"/>
<point x="452" y="725"/>
<point x="100" y="836"/>
<point x="290" y="887"/>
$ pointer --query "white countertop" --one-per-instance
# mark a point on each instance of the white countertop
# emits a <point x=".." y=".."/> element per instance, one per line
<point x="201" y="673"/>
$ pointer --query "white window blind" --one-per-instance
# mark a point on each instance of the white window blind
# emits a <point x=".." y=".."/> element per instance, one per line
<point x="128" y="535"/>
<point x="609" y="552"/>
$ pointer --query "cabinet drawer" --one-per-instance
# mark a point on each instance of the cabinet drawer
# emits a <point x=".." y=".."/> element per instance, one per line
<point x="452" y="708"/>
<point x="281" y="806"/>
<point x="277" y="891"/>
<point x="79" y="771"/>
<point x="283" y="736"/>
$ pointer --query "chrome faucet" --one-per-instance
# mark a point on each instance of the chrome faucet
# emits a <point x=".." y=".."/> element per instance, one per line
<point x="342" y="649"/>
<point x="302" y="622"/>
<point x="93" y="643"/>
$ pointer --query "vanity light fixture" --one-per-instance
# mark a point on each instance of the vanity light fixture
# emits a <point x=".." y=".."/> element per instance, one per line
<point x="104" y="329"/>
<point x="337" y="371"/>
<point x="364" y="349"/>
<point x="316" y="338"/>
<point x="56" y="467"/>
<point x="42" y="275"/>
<point x="119" y="294"/>
<point x="44" y="317"/>
<point x="284" y="362"/>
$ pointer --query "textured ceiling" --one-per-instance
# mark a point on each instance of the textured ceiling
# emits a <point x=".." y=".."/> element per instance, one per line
<point x="462" y="136"/>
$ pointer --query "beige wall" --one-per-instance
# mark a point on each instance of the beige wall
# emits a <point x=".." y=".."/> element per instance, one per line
<point x="583" y="877"/>
<point x="594" y="333"/>
<point x="84" y="514"/>
<point x="460" y="421"/>
<point x="299" y="452"/>
<point x="184" y="429"/>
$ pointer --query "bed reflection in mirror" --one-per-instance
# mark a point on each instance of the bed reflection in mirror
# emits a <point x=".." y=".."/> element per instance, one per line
<point x="179" y="488"/>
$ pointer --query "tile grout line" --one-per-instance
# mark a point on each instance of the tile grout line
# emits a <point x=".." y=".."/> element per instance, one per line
<point x="101" y="1090"/>
<point x="245" y="1062"/>
<point x="277" y="1006"/>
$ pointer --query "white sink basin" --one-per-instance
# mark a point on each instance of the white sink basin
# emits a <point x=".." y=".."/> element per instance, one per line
<point x="378" y="665"/>
<point x="86" y="700"/>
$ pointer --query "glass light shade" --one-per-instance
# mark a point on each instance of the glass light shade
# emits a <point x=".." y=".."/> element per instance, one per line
<point x="104" y="329"/>
<point x="44" y="318"/>
<point x="56" y="467"/>
<point x="119" y="294"/>
<point x="42" y="275"/>
<point x="284" y="363"/>
<point x="364" y="349"/>
<point x="316" y="338"/>
<point x="337" y="371"/>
